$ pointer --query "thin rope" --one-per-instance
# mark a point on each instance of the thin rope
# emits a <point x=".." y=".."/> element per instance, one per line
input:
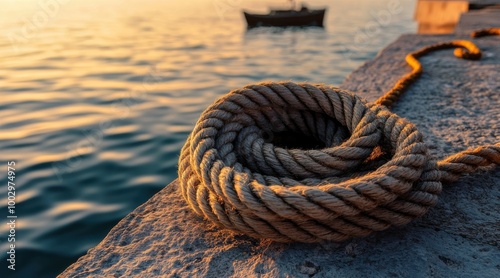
<point x="373" y="170"/>
<point x="468" y="161"/>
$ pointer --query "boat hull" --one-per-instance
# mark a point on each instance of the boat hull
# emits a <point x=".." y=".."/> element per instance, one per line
<point x="284" y="19"/>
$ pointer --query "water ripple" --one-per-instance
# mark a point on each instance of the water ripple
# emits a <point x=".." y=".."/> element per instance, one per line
<point x="97" y="104"/>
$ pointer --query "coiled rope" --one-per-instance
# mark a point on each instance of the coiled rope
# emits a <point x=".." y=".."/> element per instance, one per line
<point x="373" y="170"/>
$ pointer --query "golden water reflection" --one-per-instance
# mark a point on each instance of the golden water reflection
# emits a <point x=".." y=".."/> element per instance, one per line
<point x="98" y="97"/>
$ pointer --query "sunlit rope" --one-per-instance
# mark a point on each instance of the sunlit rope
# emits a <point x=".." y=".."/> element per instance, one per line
<point x="463" y="49"/>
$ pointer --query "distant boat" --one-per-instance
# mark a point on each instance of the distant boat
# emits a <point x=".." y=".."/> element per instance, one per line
<point x="284" y="18"/>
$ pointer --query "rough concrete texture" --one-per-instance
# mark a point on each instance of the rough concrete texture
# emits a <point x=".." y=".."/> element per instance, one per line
<point x="479" y="19"/>
<point x="456" y="104"/>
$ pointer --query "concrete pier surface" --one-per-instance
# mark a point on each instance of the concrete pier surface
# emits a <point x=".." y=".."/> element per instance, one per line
<point x="455" y="104"/>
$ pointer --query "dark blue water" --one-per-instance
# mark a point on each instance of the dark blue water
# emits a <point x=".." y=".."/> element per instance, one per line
<point x="97" y="98"/>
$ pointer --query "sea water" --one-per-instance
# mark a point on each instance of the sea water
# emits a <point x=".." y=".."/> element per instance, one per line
<point x="97" y="98"/>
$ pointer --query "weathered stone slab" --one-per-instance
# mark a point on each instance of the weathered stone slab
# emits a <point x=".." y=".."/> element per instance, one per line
<point x="456" y="104"/>
<point x="475" y="20"/>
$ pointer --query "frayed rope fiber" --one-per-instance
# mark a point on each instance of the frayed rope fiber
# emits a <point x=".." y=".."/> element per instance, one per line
<point x="369" y="171"/>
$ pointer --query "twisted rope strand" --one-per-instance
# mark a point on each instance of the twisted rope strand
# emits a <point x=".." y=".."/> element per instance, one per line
<point x="372" y="171"/>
